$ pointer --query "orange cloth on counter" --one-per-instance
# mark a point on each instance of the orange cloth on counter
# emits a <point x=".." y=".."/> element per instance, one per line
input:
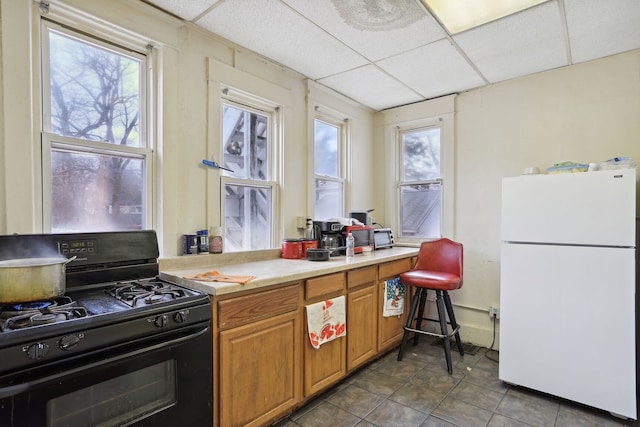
<point x="215" y="276"/>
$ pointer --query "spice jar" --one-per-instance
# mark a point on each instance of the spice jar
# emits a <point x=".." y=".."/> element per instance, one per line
<point x="215" y="241"/>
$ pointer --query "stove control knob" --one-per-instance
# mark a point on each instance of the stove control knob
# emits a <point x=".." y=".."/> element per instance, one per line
<point x="38" y="350"/>
<point x="180" y="317"/>
<point x="161" y="321"/>
<point x="68" y="342"/>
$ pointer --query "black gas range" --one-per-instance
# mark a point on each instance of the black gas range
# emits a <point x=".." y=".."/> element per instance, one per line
<point x="120" y="347"/>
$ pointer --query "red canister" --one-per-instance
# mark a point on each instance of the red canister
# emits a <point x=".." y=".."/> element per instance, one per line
<point x="308" y="244"/>
<point x="292" y="248"/>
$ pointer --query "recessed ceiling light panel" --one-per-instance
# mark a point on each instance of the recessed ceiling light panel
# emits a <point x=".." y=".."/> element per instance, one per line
<point x="461" y="15"/>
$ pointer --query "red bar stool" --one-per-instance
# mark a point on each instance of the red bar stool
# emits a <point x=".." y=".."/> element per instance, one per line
<point x="438" y="268"/>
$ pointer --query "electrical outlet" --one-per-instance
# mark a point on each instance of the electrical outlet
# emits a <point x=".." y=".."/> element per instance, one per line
<point x="494" y="312"/>
<point x="301" y="222"/>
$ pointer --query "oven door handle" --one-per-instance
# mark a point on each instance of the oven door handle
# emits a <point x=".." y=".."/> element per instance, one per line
<point x="16" y="389"/>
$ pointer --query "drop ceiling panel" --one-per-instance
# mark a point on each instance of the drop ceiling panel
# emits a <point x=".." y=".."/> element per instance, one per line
<point x="527" y="42"/>
<point x="186" y="10"/>
<point x="385" y="53"/>
<point x="601" y="28"/>
<point x="370" y="86"/>
<point x="274" y="30"/>
<point x="375" y="29"/>
<point x="433" y="70"/>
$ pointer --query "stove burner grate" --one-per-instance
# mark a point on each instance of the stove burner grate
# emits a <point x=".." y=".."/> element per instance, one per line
<point x="149" y="291"/>
<point x="24" y="315"/>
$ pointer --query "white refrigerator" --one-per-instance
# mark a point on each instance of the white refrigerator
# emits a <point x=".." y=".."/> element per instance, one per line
<point x="568" y="287"/>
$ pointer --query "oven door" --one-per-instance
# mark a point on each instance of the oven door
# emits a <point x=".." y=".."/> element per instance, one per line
<point x="163" y="381"/>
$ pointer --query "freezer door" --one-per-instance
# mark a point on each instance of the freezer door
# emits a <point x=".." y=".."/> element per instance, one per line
<point x="592" y="208"/>
<point x="567" y="324"/>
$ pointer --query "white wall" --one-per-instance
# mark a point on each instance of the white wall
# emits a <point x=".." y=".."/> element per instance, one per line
<point x="584" y="113"/>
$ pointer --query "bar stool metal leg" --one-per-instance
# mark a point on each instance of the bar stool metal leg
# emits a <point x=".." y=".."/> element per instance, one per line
<point x="452" y="321"/>
<point x="420" y="317"/>
<point x="412" y="312"/>
<point x="443" y="330"/>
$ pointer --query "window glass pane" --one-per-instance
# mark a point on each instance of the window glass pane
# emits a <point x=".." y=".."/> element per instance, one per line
<point x="421" y="155"/>
<point x="329" y="197"/>
<point x="94" y="92"/>
<point x="94" y="192"/>
<point x="420" y="207"/>
<point x="247" y="217"/>
<point x="326" y="139"/>
<point x="245" y="135"/>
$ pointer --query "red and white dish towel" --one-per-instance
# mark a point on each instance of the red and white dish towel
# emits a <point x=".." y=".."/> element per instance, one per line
<point x="326" y="321"/>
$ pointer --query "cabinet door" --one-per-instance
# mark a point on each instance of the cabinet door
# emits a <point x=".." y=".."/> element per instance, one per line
<point x="324" y="366"/>
<point x="390" y="329"/>
<point x="260" y="370"/>
<point x="361" y="326"/>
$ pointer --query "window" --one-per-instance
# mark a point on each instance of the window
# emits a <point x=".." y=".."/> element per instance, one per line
<point x="420" y="187"/>
<point x="328" y="169"/>
<point x="96" y="153"/>
<point x="248" y="190"/>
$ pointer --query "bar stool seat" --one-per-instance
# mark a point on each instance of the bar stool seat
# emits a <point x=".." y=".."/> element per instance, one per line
<point x="439" y="269"/>
<point x="431" y="280"/>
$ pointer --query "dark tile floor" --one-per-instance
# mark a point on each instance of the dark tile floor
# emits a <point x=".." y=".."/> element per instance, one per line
<point x="419" y="392"/>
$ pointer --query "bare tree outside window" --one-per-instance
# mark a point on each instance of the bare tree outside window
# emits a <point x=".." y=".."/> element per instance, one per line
<point x="94" y="100"/>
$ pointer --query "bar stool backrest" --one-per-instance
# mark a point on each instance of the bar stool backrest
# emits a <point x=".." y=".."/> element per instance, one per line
<point x="441" y="255"/>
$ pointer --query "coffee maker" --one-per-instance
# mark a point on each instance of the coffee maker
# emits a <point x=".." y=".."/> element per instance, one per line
<point x="330" y="236"/>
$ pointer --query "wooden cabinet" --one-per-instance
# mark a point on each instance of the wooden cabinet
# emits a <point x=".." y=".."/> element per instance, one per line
<point x="362" y="316"/>
<point x="264" y="364"/>
<point x="260" y="361"/>
<point x="390" y="329"/>
<point x="326" y="365"/>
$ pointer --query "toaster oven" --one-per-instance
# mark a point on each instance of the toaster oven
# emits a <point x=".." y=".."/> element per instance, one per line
<point x="383" y="238"/>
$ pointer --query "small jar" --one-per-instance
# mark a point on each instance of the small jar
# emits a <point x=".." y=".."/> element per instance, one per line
<point x="203" y="241"/>
<point x="189" y="244"/>
<point x="215" y="241"/>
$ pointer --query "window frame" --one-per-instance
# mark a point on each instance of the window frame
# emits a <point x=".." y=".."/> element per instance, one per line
<point x="333" y="118"/>
<point x="248" y="102"/>
<point x="438" y="112"/>
<point x="65" y="21"/>
<point x="401" y="131"/>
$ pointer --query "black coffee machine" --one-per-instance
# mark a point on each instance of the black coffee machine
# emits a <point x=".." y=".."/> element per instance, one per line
<point x="330" y="236"/>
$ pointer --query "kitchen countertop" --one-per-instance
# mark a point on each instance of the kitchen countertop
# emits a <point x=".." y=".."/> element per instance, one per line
<point x="269" y="271"/>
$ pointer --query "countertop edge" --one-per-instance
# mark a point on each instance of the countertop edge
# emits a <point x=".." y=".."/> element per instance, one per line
<point x="279" y="271"/>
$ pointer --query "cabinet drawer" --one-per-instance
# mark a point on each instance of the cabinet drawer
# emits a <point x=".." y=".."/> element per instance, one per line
<point x="393" y="268"/>
<point x="361" y="276"/>
<point x="241" y="310"/>
<point x="325" y="285"/>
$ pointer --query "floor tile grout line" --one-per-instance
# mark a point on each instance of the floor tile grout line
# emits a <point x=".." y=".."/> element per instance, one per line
<point x="487" y="379"/>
